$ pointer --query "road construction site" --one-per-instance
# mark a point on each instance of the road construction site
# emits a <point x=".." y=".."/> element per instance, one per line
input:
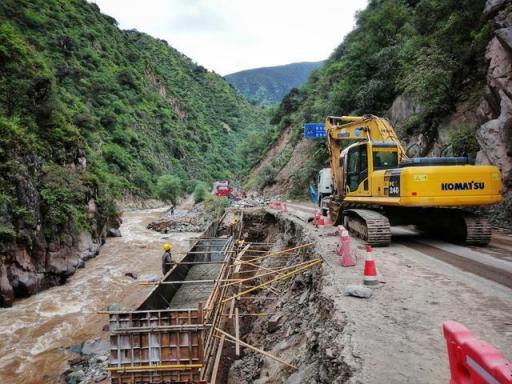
<point x="295" y="324"/>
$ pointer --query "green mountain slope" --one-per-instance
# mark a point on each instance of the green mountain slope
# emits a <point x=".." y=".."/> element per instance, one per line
<point x="424" y="64"/>
<point x="268" y="86"/>
<point x="90" y="113"/>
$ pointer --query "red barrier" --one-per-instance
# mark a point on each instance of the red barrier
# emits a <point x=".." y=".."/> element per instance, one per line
<point x="343" y="249"/>
<point x="275" y="204"/>
<point x="474" y="361"/>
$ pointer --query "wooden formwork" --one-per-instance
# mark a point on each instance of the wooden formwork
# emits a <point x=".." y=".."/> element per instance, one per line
<point x="157" y="343"/>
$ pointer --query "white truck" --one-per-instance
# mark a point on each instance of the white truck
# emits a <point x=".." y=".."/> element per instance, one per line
<point x="324" y="187"/>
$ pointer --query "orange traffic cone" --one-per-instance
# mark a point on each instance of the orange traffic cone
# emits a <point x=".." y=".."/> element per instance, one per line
<point x="370" y="271"/>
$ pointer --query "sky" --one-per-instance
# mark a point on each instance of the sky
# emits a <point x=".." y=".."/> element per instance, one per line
<point x="228" y="36"/>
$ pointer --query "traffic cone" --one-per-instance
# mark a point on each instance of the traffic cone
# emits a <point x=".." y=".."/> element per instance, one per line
<point x="370" y="271"/>
<point x="343" y="250"/>
<point x="319" y="219"/>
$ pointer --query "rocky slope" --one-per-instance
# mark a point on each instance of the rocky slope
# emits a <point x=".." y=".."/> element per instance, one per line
<point x="469" y="113"/>
<point x="90" y="114"/>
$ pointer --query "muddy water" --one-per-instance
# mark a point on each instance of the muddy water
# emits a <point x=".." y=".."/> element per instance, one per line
<point x="35" y="331"/>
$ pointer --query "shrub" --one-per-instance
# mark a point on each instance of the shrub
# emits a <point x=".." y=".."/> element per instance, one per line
<point x="216" y="205"/>
<point x="200" y="192"/>
<point x="168" y="188"/>
<point x="463" y="142"/>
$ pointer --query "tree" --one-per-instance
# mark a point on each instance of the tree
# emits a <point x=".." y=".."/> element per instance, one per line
<point x="200" y="192"/>
<point x="168" y="188"/>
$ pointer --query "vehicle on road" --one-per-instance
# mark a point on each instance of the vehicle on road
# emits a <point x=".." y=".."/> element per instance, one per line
<point x="375" y="185"/>
<point x="222" y="189"/>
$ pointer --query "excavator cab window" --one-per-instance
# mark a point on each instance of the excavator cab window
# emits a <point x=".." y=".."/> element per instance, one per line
<point x="357" y="169"/>
<point x="385" y="160"/>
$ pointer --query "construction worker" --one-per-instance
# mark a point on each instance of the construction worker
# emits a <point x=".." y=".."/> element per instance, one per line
<point x="167" y="259"/>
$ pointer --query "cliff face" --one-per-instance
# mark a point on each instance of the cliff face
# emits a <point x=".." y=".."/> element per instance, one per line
<point x="495" y="135"/>
<point x="90" y="114"/>
<point x="490" y="113"/>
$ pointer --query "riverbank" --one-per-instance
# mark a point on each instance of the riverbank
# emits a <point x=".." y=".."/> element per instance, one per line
<point x="37" y="331"/>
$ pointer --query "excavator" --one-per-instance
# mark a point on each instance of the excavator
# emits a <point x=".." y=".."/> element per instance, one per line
<point x="375" y="185"/>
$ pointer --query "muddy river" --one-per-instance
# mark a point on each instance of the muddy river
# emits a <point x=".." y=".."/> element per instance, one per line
<point x="35" y="332"/>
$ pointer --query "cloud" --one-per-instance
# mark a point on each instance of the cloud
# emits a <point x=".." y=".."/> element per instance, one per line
<point x="232" y="35"/>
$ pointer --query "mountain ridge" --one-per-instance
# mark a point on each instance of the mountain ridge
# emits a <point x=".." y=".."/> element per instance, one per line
<point x="268" y="85"/>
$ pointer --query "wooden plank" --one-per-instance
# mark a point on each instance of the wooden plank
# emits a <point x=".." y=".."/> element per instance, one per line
<point x="216" y="364"/>
<point x="237" y="332"/>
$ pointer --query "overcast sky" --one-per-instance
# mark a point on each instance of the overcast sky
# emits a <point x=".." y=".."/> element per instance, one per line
<point x="232" y="35"/>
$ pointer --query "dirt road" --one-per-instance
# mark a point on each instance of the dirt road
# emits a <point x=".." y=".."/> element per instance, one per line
<point x="35" y="331"/>
<point x="396" y="336"/>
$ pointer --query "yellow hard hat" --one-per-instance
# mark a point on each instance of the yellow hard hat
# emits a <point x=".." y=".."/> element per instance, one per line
<point x="167" y="247"/>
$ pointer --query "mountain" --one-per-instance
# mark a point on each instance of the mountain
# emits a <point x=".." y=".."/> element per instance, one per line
<point x="90" y="114"/>
<point x="440" y="71"/>
<point x="267" y="86"/>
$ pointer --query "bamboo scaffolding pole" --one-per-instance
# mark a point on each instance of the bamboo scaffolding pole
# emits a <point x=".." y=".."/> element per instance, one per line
<point x="233" y="339"/>
<point x="270" y="257"/>
<point x="286" y="250"/>
<point x="216" y="364"/>
<point x="268" y="273"/>
<point x="186" y="282"/>
<point x="259" y="266"/>
<point x="277" y="278"/>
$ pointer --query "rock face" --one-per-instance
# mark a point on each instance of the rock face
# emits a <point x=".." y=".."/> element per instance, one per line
<point x="495" y="135"/>
<point x="25" y="271"/>
<point x="493" y="114"/>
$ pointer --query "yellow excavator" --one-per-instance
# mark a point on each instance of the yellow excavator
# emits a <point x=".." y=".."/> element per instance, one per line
<point x="375" y="185"/>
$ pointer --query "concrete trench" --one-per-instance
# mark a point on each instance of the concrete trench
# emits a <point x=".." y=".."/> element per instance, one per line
<point x="300" y="326"/>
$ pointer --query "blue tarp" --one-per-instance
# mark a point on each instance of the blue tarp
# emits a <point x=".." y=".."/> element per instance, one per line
<point x="314" y="194"/>
<point x="314" y="131"/>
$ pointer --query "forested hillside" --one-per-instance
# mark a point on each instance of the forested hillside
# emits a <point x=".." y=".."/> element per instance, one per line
<point x="440" y="70"/>
<point x="267" y="86"/>
<point x="90" y="114"/>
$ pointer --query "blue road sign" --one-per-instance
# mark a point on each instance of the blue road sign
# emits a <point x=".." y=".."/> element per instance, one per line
<point x="314" y="131"/>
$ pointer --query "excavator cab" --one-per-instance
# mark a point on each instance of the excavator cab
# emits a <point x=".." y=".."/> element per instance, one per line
<point x="359" y="161"/>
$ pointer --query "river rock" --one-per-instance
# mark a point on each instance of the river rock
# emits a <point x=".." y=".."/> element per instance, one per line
<point x="96" y="347"/>
<point x="114" y="232"/>
<point x="75" y="377"/>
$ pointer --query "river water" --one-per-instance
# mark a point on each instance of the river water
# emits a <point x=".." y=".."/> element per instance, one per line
<point x="35" y="332"/>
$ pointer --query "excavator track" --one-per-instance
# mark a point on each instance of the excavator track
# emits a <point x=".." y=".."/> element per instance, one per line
<point x="478" y="230"/>
<point x="369" y="225"/>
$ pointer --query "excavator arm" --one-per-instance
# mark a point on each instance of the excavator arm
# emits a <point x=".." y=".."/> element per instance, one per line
<point x="362" y="128"/>
<point x="346" y="130"/>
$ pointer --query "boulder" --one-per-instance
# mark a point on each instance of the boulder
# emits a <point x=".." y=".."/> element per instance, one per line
<point x="114" y="232"/>
<point x="6" y="291"/>
<point x="492" y="7"/>
<point x="358" y="291"/>
<point x="96" y="347"/>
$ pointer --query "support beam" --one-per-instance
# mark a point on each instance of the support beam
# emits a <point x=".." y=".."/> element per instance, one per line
<point x="233" y="339"/>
